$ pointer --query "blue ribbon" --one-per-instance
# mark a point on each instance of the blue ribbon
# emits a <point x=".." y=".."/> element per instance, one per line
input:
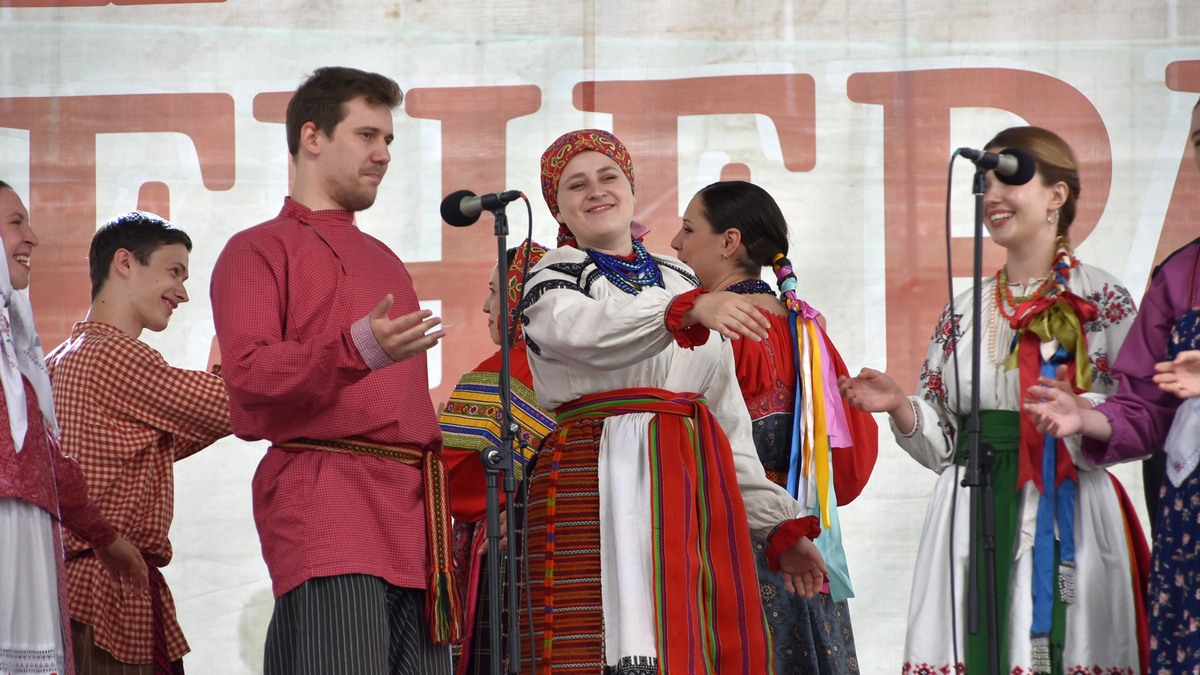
<point x="1056" y="503"/>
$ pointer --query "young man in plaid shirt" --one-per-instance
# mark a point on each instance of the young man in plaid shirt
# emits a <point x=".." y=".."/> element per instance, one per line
<point x="127" y="417"/>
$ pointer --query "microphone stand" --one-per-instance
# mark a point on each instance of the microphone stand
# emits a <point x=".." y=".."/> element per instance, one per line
<point x="497" y="462"/>
<point x="979" y="470"/>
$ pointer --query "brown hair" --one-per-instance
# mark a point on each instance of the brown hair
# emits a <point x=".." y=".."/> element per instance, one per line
<point x="321" y="98"/>
<point x="1055" y="163"/>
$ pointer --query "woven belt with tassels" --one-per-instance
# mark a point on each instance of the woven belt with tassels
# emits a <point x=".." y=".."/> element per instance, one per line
<point x="442" y="607"/>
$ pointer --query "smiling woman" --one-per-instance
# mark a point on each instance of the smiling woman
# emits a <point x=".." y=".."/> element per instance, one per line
<point x="17" y="235"/>
<point x="41" y="489"/>
<point x="1067" y="566"/>
<point x="652" y="440"/>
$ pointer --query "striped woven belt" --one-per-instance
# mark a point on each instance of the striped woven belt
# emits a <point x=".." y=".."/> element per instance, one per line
<point x="442" y="606"/>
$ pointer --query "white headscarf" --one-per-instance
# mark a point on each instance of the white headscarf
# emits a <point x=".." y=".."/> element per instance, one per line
<point x="22" y="355"/>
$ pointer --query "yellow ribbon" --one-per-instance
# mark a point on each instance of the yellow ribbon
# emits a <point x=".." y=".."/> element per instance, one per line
<point x="816" y="442"/>
<point x="1059" y="322"/>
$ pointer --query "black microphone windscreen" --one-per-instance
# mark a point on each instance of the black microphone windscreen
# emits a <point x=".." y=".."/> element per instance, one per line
<point x="452" y="209"/>
<point x="1026" y="167"/>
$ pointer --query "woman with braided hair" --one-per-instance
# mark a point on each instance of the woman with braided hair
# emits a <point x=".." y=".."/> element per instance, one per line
<point x="643" y="500"/>
<point x="730" y="231"/>
<point x="1069" y="551"/>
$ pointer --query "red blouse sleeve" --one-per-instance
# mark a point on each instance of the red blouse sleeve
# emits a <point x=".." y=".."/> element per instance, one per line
<point x="787" y="534"/>
<point x="694" y="335"/>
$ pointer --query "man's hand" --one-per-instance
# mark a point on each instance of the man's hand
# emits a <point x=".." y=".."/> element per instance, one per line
<point x="126" y="566"/>
<point x="406" y="335"/>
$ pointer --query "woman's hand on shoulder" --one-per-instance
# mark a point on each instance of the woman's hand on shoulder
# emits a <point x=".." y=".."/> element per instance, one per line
<point x="730" y="315"/>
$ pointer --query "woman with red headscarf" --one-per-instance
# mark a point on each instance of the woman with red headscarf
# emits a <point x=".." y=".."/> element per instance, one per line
<point x="470" y="425"/>
<point x="643" y="500"/>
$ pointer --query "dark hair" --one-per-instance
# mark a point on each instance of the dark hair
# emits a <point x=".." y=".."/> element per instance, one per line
<point x="1055" y="162"/>
<point x="4" y="186"/>
<point x="321" y="99"/>
<point x="138" y="232"/>
<point x="753" y="212"/>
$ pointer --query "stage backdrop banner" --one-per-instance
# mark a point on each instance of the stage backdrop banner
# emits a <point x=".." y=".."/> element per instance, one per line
<point x="846" y="112"/>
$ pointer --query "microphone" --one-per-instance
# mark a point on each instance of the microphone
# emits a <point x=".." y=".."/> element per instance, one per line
<point x="462" y="208"/>
<point x="1013" y="166"/>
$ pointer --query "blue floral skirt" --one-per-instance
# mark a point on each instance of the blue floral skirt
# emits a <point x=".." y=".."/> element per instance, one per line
<point x="1175" y="580"/>
<point x="809" y="635"/>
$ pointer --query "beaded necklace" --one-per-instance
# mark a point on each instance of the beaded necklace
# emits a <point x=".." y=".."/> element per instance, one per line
<point x="1052" y="286"/>
<point x="1005" y="298"/>
<point x="750" y="287"/>
<point x="630" y="276"/>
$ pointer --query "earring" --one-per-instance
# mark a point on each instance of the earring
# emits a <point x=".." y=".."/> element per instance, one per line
<point x="1054" y="220"/>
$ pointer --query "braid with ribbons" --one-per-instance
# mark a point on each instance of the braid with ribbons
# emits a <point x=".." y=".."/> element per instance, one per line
<point x="821" y="421"/>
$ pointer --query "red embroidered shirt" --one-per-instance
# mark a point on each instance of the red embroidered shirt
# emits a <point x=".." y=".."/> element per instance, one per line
<point x="290" y="301"/>
<point x="127" y="416"/>
<point x="41" y="475"/>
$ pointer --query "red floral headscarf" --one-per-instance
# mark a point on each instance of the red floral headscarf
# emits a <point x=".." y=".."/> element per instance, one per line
<point x="560" y="152"/>
<point x="515" y="283"/>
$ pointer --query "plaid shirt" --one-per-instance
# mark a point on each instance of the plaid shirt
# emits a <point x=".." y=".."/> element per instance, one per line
<point x="127" y="416"/>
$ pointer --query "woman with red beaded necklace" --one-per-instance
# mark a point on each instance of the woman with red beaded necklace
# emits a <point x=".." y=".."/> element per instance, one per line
<point x="1066" y="567"/>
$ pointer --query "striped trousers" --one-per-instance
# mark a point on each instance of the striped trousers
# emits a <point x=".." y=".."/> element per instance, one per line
<point x="352" y="624"/>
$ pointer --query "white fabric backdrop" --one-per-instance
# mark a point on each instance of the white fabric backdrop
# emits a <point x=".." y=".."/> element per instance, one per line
<point x="1113" y="52"/>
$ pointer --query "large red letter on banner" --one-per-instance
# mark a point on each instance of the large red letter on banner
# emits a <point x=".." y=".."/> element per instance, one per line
<point x="916" y="147"/>
<point x="62" y="177"/>
<point x="645" y="117"/>
<point x="474" y="147"/>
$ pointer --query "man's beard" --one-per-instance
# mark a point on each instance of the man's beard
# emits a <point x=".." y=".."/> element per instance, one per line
<point x="353" y="197"/>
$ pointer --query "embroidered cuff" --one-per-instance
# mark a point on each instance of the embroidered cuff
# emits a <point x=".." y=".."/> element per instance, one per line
<point x="786" y="534"/>
<point x="368" y="347"/>
<point x="694" y="335"/>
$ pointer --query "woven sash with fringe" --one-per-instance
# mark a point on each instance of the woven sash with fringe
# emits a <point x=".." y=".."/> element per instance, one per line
<point x="442" y="605"/>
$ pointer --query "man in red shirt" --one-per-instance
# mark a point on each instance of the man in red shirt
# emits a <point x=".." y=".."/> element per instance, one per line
<point x="127" y="417"/>
<point x="323" y="352"/>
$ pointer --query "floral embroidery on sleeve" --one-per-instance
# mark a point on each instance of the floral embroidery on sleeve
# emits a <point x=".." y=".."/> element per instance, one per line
<point x="1113" y="304"/>
<point x="946" y="334"/>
